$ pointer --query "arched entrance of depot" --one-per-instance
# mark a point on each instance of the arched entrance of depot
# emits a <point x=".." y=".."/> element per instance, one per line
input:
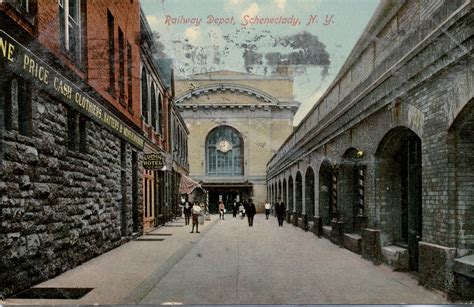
<point x="350" y="187"/>
<point x="299" y="193"/>
<point x="461" y="161"/>
<point x="399" y="189"/>
<point x="285" y="192"/>
<point x="309" y="193"/>
<point x="290" y="195"/>
<point x="327" y="192"/>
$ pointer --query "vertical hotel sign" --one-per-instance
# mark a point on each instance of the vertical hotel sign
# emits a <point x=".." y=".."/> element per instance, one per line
<point x="17" y="58"/>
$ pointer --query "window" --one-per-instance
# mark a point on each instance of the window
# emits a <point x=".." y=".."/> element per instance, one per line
<point x="18" y="109"/>
<point x="144" y="96"/>
<point x="129" y="76"/>
<point x="69" y="22"/>
<point x="21" y="5"/>
<point x="153" y="108"/>
<point x="110" y="26"/>
<point x="121" y="65"/>
<point x="76" y="131"/>
<point x="160" y="115"/>
<point x="224" y="152"/>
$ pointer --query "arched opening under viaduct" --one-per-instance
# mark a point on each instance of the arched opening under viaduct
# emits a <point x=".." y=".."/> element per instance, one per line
<point x="399" y="187"/>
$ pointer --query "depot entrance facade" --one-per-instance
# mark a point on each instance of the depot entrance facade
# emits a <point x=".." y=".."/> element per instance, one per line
<point x="236" y="122"/>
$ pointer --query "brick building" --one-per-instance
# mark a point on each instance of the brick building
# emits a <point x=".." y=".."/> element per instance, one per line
<point x="71" y="142"/>
<point x="382" y="164"/>
<point x="165" y="132"/>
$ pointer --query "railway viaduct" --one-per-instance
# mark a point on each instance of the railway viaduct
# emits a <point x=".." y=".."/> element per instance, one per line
<point x="383" y="164"/>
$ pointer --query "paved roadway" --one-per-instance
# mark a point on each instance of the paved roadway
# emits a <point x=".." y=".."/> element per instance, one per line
<point x="267" y="264"/>
<point x="231" y="263"/>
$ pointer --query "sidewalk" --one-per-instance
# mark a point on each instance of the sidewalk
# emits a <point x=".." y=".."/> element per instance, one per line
<point x="126" y="274"/>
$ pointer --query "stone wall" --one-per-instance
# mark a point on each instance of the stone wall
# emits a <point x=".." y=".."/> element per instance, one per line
<point x="422" y="82"/>
<point x="59" y="207"/>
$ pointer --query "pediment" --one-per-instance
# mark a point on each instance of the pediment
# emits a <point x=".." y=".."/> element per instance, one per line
<point x="226" y="93"/>
<point x="225" y="98"/>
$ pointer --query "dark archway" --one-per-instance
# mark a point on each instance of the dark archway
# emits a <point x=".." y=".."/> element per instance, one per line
<point x="285" y="192"/>
<point x="299" y="193"/>
<point x="326" y="192"/>
<point x="309" y="193"/>
<point x="279" y="190"/>
<point x="461" y="162"/>
<point x="290" y="195"/>
<point x="350" y="190"/>
<point x="399" y="187"/>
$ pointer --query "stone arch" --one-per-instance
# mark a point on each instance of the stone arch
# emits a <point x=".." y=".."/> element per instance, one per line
<point x="299" y="193"/>
<point x="399" y="189"/>
<point x="461" y="165"/>
<point x="309" y="193"/>
<point x="327" y="193"/>
<point x="291" y="199"/>
<point x="279" y="190"/>
<point x="350" y="190"/>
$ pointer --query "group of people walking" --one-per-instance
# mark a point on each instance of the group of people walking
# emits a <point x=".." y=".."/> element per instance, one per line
<point x="243" y="209"/>
<point x="248" y="208"/>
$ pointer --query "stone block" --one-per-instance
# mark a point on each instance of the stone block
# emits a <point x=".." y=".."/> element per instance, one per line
<point x="317" y="226"/>
<point x="301" y="223"/>
<point x="396" y="257"/>
<point x="463" y="278"/>
<point x="435" y="265"/>
<point x="370" y="245"/>
<point x="326" y="231"/>
<point x="352" y="242"/>
<point x="337" y="233"/>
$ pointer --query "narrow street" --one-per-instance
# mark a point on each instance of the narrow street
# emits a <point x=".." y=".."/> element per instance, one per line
<point x="267" y="264"/>
<point x="231" y="263"/>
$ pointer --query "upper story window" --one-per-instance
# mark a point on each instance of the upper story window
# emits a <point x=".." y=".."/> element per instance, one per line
<point x="144" y="97"/>
<point x="225" y="152"/>
<point x="70" y="27"/>
<point x="160" y="114"/>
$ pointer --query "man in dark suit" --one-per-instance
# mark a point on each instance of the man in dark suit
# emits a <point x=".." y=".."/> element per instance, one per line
<point x="251" y="210"/>
<point x="280" y="212"/>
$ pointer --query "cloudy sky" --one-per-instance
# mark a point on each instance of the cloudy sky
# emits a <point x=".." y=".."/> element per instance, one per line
<point x="254" y="36"/>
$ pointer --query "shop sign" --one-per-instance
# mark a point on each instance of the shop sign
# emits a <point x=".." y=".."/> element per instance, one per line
<point x="153" y="161"/>
<point x="22" y="61"/>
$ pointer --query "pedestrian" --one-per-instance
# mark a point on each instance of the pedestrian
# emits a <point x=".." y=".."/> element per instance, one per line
<point x="221" y="210"/>
<point x="280" y="212"/>
<point x="267" y="209"/>
<point x="187" y="212"/>
<point x="251" y="212"/>
<point x="241" y="211"/>
<point x="235" y="208"/>
<point x="196" y="213"/>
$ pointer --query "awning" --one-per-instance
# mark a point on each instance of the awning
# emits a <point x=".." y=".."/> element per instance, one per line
<point x="187" y="185"/>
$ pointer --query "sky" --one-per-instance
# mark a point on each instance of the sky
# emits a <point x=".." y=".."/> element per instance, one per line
<point x="314" y="37"/>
